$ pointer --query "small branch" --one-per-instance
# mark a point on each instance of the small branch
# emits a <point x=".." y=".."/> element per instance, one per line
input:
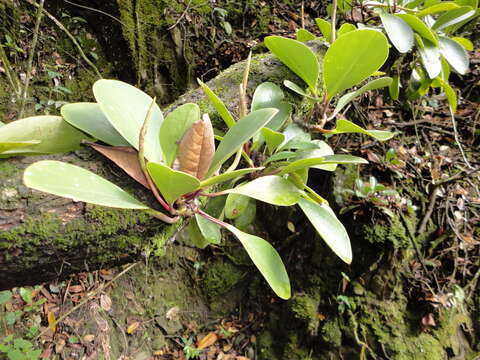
<point x="457" y="138"/>
<point x="334" y="20"/>
<point x="72" y="38"/>
<point x="23" y="98"/>
<point x="181" y="16"/>
<point x="302" y="15"/>
<point x="212" y="219"/>
<point x="12" y="79"/>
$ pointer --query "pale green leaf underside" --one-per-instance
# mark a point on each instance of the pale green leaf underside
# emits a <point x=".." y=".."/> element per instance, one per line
<point x="267" y="260"/>
<point x="73" y="182"/>
<point x="398" y="31"/>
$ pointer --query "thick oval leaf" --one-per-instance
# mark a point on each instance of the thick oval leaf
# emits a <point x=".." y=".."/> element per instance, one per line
<point x="345" y="126"/>
<point x="329" y="159"/>
<point x="293" y="132"/>
<point x="453" y="17"/>
<point x="209" y="230"/>
<point x="322" y="150"/>
<point x="352" y="58"/>
<point x="450" y="93"/>
<point x="325" y="28"/>
<point x="271" y="189"/>
<point x="247" y="217"/>
<point x="419" y="27"/>
<point x="398" y="31"/>
<point x="228" y="176"/>
<point x="298" y="57"/>
<point x="269" y="95"/>
<point x="235" y="205"/>
<point x="328" y="227"/>
<point x="53" y="134"/>
<point x="172" y="184"/>
<point x="437" y="8"/>
<point x="346" y="28"/>
<point x="218" y="104"/>
<point x="78" y="184"/>
<point x="126" y="107"/>
<point x="174" y="127"/>
<point x="394" y="87"/>
<point x="272" y="138"/>
<point x="466" y="43"/>
<point x="455" y="55"/>
<point x="372" y="85"/>
<point x="89" y="118"/>
<point x="267" y="261"/>
<point x="235" y="137"/>
<point x="284" y="155"/>
<point x="304" y="35"/>
<point x="430" y="56"/>
<point x="10" y="145"/>
<point x="294" y="87"/>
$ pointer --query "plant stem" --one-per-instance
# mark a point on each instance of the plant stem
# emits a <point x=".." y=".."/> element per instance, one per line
<point x="334" y="20"/>
<point x="23" y="98"/>
<point x="12" y="79"/>
<point x="212" y="219"/>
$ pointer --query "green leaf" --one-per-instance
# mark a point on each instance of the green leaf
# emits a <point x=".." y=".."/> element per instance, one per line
<point x="89" y="118"/>
<point x="235" y="205"/>
<point x="325" y="28"/>
<point x="329" y="159"/>
<point x="5" y="296"/>
<point x="228" y="176"/>
<point x="73" y="182"/>
<point x="346" y="28"/>
<point x="293" y="132"/>
<point x="453" y="17"/>
<point x="209" y="230"/>
<point x="235" y="137"/>
<point x="26" y="295"/>
<point x="126" y="107"/>
<point x="269" y="95"/>
<point x="322" y="149"/>
<point x="271" y="189"/>
<point x="272" y="138"/>
<point x="394" y="87"/>
<point x="52" y="134"/>
<point x="455" y="55"/>
<point x="466" y="43"/>
<point x="267" y="260"/>
<point x="345" y="126"/>
<point x="11" y="145"/>
<point x="437" y="8"/>
<point x="398" y="31"/>
<point x="297" y="57"/>
<point x="171" y="183"/>
<point x="304" y="35"/>
<point x="372" y="85"/>
<point x="419" y="27"/>
<point x="294" y="87"/>
<point x="328" y="227"/>
<point x="450" y="93"/>
<point x="284" y="155"/>
<point x="352" y="58"/>
<point x="430" y="56"/>
<point x="247" y="217"/>
<point x="174" y="127"/>
<point x="195" y="236"/>
<point x="218" y="104"/>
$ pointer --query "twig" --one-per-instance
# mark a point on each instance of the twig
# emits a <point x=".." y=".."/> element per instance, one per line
<point x="8" y="71"/>
<point x="23" y="98"/>
<point x="72" y="38"/>
<point x="181" y="16"/>
<point x="457" y="139"/>
<point x="431" y="207"/>
<point x="89" y="296"/>
<point x="302" y="15"/>
<point x="334" y="20"/>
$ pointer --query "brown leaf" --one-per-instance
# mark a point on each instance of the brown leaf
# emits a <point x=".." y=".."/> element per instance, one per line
<point x="195" y="151"/>
<point x="133" y="327"/>
<point x="52" y="322"/>
<point x="105" y="302"/>
<point x="126" y="158"/>
<point x="208" y="340"/>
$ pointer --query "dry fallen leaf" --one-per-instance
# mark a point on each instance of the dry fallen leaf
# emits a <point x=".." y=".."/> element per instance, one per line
<point x="133" y="327"/>
<point x="208" y="340"/>
<point x="195" y="151"/>
<point x="172" y="314"/>
<point x="52" y="321"/>
<point x="126" y="158"/>
<point x="105" y="302"/>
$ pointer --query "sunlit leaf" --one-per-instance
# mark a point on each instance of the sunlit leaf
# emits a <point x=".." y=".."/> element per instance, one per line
<point x="172" y="184"/>
<point x="419" y="27"/>
<point x="352" y="58"/>
<point x="304" y="35"/>
<point x="325" y="28"/>
<point x="346" y="28"/>
<point x="466" y="43"/>
<point x="455" y="54"/>
<point x="437" y="8"/>
<point x="89" y="118"/>
<point x="271" y="189"/>
<point x="345" y="126"/>
<point x="236" y="136"/>
<point x="398" y="31"/>
<point x="218" y="104"/>
<point x="267" y="260"/>
<point x="78" y="184"/>
<point x="329" y="159"/>
<point x="272" y="138"/>
<point x="372" y="85"/>
<point x="126" y="107"/>
<point x="51" y="134"/>
<point x="297" y="57"/>
<point x="228" y="176"/>
<point x="453" y="17"/>
<point x="329" y="228"/>
<point x="174" y="127"/>
<point x="11" y="145"/>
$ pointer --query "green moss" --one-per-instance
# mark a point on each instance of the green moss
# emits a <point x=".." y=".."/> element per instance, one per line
<point x="220" y="277"/>
<point x="305" y="309"/>
<point x="294" y="350"/>
<point x="393" y="233"/>
<point x="331" y="333"/>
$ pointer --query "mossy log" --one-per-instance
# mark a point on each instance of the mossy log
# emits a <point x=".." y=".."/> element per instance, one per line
<point x="43" y="236"/>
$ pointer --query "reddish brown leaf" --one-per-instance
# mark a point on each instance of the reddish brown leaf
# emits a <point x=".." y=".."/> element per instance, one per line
<point x="195" y="151"/>
<point x="207" y="341"/>
<point x="126" y="158"/>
